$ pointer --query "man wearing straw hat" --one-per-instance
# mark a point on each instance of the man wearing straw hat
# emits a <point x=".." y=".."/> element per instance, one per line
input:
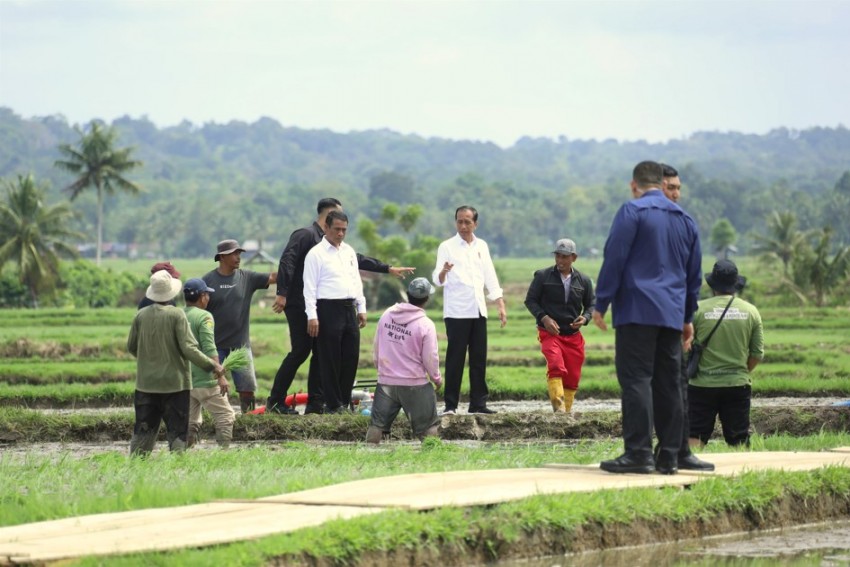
<point x="163" y="345"/>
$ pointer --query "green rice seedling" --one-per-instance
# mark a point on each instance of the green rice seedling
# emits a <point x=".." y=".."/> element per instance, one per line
<point x="21" y="371"/>
<point x="236" y="360"/>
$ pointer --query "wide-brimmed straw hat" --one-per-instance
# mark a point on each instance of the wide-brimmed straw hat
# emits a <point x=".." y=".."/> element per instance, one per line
<point x="163" y="287"/>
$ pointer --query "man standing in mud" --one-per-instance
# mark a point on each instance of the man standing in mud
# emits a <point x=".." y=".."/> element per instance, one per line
<point x="230" y="306"/>
<point x="406" y="357"/>
<point x="561" y="300"/>
<point x="290" y="301"/>
<point x="651" y="277"/>
<point x="163" y="344"/>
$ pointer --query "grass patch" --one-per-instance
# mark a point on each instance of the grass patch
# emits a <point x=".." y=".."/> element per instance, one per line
<point x="53" y="486"/>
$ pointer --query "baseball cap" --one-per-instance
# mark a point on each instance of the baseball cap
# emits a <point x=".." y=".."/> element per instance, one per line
<point x="564" y="246"/>
<point x="195" y="287"/>
<point x="420" y="288"/>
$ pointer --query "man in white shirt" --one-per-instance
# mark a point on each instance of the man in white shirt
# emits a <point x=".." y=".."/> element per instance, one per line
<point x="333" y="297"/>
<point x="464" y="269"/>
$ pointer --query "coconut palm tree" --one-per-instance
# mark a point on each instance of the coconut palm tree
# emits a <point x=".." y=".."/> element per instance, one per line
<point x="100" y="165"/>
<point x="33" y="235"/>
<point x="783" y="239"/>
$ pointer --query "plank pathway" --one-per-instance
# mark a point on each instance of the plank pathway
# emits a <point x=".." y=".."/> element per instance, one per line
<point x="220" y="522"/>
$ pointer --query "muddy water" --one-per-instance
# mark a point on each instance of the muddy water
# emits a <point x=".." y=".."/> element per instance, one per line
<point x="526" y="406"/>
<point x="817" y="544"/>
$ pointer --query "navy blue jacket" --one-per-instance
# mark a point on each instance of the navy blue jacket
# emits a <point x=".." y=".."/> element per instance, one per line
<point x="651" y="274"/>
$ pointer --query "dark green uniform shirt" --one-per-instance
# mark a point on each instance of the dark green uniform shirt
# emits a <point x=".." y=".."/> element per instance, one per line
<point x="163" y="345"/>
<point x="738" y="337"/>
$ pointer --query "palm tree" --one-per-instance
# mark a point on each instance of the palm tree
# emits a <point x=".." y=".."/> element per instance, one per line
<point x="821" y="272"/>
<point x="100" y="165"/>
<point x="783" y="240"/>
<point x="34" y="235"/>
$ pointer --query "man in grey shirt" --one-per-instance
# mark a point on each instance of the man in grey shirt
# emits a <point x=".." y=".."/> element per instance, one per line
<point x="230" y="305"/>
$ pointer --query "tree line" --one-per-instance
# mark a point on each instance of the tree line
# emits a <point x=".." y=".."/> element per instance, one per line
<point x="260" y="181"/>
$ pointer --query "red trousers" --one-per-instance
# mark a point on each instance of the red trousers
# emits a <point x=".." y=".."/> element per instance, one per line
<point x="564" y="357"/>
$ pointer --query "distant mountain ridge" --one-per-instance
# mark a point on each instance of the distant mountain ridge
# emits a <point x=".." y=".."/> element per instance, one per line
<point x="270" y="175"/>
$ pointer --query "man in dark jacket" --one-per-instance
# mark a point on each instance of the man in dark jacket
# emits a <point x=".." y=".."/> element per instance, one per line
<point x="561" y="300"/>
<point x="290" y="301"/>
<point x="651" y="276"/>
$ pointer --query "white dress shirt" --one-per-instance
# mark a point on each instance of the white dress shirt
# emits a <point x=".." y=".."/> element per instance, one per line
<point x="463" y="296"/>
<point x="331" y="273"/>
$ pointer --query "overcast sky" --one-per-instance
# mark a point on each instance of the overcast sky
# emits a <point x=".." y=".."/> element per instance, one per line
<point x="483" y="70"/>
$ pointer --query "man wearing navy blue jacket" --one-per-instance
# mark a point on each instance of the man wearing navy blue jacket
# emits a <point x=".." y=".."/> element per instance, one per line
<point x="651" y="277"/>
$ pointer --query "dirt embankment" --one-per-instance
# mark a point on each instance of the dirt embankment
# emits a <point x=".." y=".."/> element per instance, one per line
<point x="503" y="427"/>
<point x="486" y="546"/>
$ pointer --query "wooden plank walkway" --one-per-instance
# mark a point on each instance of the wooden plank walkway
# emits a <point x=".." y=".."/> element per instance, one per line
<point x="228" y="521"/>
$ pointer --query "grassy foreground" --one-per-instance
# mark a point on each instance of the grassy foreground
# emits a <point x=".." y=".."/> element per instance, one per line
<point x="39" y="487"/>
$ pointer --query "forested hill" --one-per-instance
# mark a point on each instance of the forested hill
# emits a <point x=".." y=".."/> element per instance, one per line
<point x="261" y="180"/>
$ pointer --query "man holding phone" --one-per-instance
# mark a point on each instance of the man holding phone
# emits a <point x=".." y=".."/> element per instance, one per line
<point x="561" y="300"/>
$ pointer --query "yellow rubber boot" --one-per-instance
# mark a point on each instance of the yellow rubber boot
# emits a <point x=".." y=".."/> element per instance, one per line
<point x="569" y="398"/>
<point x="556" y="395"/>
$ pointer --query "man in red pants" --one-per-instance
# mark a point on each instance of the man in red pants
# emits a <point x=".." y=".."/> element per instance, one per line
<point x="561" y="300"/>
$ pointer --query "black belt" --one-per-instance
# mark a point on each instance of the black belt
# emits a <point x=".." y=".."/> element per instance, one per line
<point x="348" y="302"/>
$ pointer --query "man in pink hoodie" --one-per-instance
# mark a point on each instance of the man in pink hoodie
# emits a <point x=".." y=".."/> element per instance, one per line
<point x="406" y="357"/>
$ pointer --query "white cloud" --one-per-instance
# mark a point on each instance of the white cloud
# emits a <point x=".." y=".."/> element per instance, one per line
<point x="461" y="69"/>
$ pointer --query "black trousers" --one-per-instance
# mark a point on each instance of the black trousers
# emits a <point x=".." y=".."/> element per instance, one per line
<point x="731" y="404"/>
<point x="301" y="346"/>
<point x="337" y="349"/>
<point x="464" y="335"/>
<point x="151" y="409"/>
<point x="649" y="362"/>
<point x="685" y="448"/>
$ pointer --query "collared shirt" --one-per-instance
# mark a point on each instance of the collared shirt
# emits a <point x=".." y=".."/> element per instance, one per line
<point x="163" y="344"/>
<point x="463" y="296"/>
<point x="566" y="281"/>
<point x="331" y="273"/>
<point x="290" y="272"/>
<point x="652" y="269"/>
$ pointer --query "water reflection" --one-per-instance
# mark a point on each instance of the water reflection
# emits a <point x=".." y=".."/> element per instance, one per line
<point x="820" y="544"/>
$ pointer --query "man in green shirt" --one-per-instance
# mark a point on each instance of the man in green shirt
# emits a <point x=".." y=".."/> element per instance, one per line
<point x="163" y="345"/>
<point x="723" y="384"/>
<point x="208" y="390"/>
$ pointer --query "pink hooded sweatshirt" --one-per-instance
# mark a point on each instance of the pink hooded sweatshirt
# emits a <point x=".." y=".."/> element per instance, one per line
<point x="405" y="350"/>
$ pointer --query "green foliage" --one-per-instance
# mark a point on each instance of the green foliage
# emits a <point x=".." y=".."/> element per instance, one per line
<point x="98" y="164"/>
<point x="264" y="180"/>
<point x="723" y="235"/>
<point x="782" y="241"/>
<point x="85" y="285"/>
<point x="33" y="236"/>
<point x="395" y="250"/>
<point x="12" y="291"/>
<point x="819" y="270"/>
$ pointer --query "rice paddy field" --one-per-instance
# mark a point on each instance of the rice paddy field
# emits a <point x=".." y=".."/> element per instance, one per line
<point x="66" y="384"/>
